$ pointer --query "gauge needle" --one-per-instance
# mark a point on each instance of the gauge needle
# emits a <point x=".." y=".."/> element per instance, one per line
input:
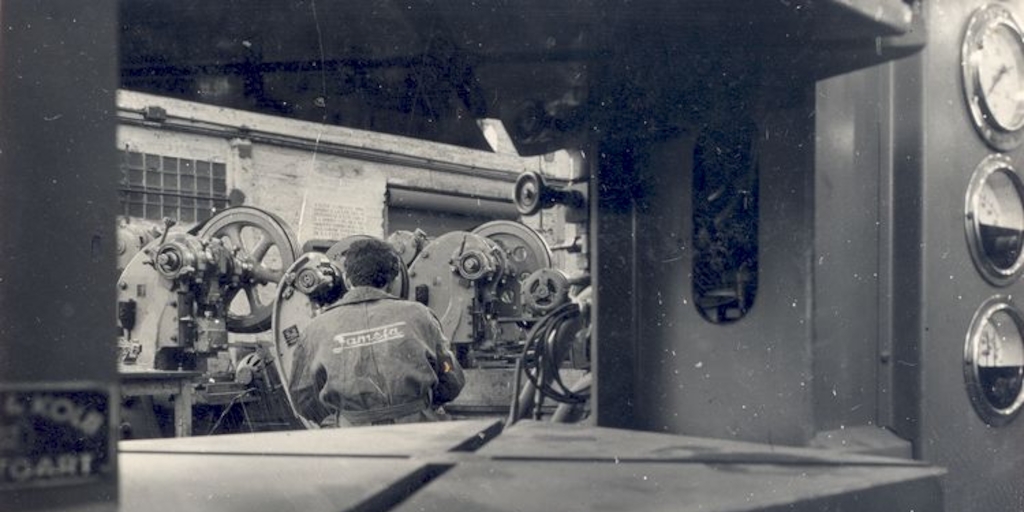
<point x="1003" y="70"/>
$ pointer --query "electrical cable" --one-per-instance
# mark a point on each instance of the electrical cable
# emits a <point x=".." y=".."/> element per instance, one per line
<point x="568" y="413"/>
<point x="513" y="412"/>
<point x="540" y="362"/>
<point x="245" y="414"/>
<point x="227" y="409"/>
<point x="542" y="370"/>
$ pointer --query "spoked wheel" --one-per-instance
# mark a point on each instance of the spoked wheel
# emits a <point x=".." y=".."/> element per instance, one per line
<point x="264" y="241"/>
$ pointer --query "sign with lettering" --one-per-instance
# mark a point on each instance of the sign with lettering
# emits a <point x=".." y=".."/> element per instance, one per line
<point x="368" y="337"/>
<point x="336" y="220"/>
<point x="54" y="435"/>
<point x="328" y="214"/>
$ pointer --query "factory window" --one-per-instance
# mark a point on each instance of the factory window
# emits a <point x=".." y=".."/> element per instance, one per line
<point x="154" y="187"/>
<point x="725" y="215"/>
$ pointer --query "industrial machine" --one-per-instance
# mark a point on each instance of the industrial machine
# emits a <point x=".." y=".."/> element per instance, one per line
<point x="182" y="295"/>
<point x="479" y="284"/>
<point x="488" y="287"/>
<point x="131" y="238"/>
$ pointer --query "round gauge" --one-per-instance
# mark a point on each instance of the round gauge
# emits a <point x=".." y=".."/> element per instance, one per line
<point x="992" y="61"/>
<point x="994" y="219"/>
<point x="994" y="361"/>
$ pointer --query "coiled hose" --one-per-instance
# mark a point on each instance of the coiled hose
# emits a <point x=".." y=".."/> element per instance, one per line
<point x="540" y="361"/>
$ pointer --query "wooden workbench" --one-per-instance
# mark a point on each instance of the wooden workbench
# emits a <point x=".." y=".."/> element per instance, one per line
<point x="178" y="385"/>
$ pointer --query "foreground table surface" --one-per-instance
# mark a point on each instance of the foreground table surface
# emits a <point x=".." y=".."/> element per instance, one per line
<point x="475" y="465"/>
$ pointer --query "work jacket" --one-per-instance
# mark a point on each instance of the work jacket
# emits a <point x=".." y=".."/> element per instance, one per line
<point x="373" y="358"/>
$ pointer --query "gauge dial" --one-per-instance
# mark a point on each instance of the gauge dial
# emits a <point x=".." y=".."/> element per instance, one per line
<point x="994" y="216"/>
<point x="1001" y="219"/>
<point x="993" y="73"/>
<point x="999" y="343"/>
<point x="994" y="361"/>
<point x="1001" y="76"/>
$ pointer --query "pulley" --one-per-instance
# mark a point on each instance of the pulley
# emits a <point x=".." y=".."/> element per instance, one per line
<point x="545" y="290"/>
<point x="248" y="367"/>
<point x="531" y="194"/>
<point x="319" y="278"/>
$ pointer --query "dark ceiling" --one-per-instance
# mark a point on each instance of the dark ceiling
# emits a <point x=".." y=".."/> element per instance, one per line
<point x="549" y="69"/>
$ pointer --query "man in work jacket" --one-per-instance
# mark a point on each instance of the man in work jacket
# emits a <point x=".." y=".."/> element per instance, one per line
<point x="373" y="358"/>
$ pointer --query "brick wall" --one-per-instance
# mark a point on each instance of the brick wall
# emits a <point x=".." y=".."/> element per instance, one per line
<point x="324" y="181"/>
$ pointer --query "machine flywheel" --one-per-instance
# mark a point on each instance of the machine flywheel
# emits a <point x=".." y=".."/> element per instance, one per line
<point x="270" y="246"/>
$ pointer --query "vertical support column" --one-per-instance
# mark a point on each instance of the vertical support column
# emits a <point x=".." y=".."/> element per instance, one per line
<point x="58" y="172"/>
<point x="183" y="409"/>
<point x="613" y="242"/>
<point x="908" y="252"/>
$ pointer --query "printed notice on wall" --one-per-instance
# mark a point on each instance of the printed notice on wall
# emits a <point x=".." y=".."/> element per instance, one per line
<point x="329" y="214"/>
<point x="334" y="220"/>
<point x="53" y="435"/>
<point x="337" y="220"/>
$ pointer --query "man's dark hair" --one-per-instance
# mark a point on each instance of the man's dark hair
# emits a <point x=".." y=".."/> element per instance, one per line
<point x="371" y="262"/>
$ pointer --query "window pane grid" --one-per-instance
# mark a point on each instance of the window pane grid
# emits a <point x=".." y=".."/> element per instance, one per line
<point x="154" y="186"/>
